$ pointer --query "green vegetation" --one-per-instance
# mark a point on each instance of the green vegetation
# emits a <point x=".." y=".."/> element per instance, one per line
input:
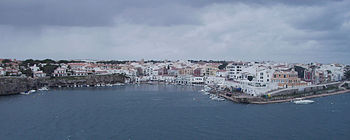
<point x="347" y="74"/>
<point x="6" y="61"/>
<point x="300" y="71"/>
<point x="114" y="62"/>
<point x="223" y="65"/>
<point x="27" y="72"/>
<point x="250" y="78"/>
<point x="48" y="69"/>
<point x="69" y="61"/>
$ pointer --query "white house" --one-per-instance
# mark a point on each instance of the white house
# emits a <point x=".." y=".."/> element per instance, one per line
<point x="183" y="80"/>
<point x="211" y="80"/>
<point x="263" y="76"/>
<point x="37" y="74"/>
<point x="197" y="80"/>
<point x="2" y="71"/>
<point x="221" y="73"/>
<point x="60" y="72"/>
<point x="82" y="73"/>
<point x="34" y="68"/>
<point x="234" y="70"/>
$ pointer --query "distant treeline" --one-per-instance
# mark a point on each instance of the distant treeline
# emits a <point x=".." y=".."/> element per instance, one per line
<point x="31" y="62"/>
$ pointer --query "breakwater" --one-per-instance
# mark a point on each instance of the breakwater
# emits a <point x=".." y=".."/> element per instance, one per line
<point x="15" y="85"/>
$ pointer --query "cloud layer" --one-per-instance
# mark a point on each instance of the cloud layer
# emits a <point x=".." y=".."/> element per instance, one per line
<point x="292" y="31"/>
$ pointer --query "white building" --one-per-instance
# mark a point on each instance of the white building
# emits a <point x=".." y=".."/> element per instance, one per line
<point x="263" y="76"/>
<point x="2" y="71"/>
<point x="81" y="73"/>
<point x="197" y="80"/>
<point x="37" y="74"/>
<point x="234" y="70"/>
<point x="34" y="68"/>
<point x="221" y="73"/>
<point x="211" y="80"/>
<point x="60" y="72"/>
<point x="183" y="80"/>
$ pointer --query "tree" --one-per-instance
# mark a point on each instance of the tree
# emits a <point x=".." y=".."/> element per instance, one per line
<point x="300" y="71"/>
<point x="6" y="61"/>
<point x="223" y="65"/>
<point x="49" y="69"/>
<point x="250" y="78"/>
<point x="29" y="62"/>
<point x="347" y="74"/>
<point x="48" y="61"/>
<point x="27" y="72"/>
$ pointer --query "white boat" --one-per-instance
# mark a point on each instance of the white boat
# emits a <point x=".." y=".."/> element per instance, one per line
<point x="109" y="85"/>
<point x="216" y="98"/>
<point x="206" y="88"/>
<point x="220" y="99"/>
<point x="32" y="91"/>
<point x="43" y="89"/>
<point x="301" y="101"/>
<point x="118" y="84"/>
<point x="24" y="93"/>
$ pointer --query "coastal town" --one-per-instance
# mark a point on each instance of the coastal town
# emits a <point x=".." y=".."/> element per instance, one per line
<point x="254" y="79"/>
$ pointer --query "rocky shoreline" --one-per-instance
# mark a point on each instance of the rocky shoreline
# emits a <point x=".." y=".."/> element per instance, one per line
<point x="16" y="85"/>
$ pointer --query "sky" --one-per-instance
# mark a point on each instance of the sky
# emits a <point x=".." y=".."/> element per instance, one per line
<point x="249" y="30"/>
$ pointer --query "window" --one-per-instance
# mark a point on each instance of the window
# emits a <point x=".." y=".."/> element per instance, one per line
<point x="284" y="76"/>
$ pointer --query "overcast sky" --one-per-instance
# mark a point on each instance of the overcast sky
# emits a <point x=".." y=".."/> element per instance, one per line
<point x="252" y="30"/>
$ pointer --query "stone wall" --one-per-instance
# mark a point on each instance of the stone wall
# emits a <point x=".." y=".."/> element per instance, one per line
<point x="316" y="88"/>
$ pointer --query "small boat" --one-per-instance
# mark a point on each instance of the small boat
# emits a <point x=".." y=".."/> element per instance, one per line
<point x="32" y="91"/>
<point x="43" y="89"/>
<point x="24" y="93"/>
<point x="206" y="93"/>
<point x="109" y="85"/>
<point x="118" y="84"/>
<point x="301" y="101"/>
<point x="220" y="99"/>
<point x="217" y="98"/>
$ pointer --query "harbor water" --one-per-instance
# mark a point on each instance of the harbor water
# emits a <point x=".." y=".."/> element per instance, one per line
<point x="165" y="112"/>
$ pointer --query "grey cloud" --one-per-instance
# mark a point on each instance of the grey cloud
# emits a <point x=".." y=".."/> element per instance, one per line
<point x="289" y="30"/>
<point x="103" y="12"/>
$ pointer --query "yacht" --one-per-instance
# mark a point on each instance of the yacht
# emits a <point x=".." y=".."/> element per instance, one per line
<point x="301" y="101"/>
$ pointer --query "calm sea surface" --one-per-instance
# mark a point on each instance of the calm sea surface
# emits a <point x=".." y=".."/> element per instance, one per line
<point x="165" y="112"/>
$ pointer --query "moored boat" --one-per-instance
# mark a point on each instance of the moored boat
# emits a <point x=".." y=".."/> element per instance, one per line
<point x="43" y="89"/>
<point x="301" y="101"/>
